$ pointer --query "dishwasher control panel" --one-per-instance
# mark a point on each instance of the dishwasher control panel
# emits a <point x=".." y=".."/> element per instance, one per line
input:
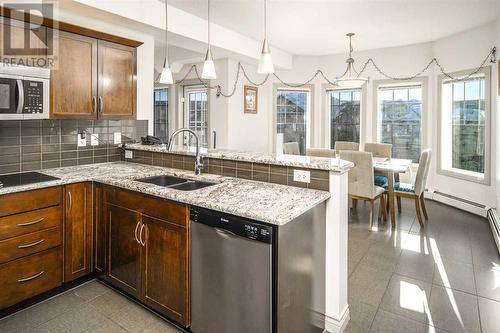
<point x="234" y="225"/>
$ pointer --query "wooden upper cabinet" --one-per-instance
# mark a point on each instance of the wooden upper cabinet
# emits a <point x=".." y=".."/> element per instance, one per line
<point x="21" y="50"/>
<point x="78" y="231"/>
<point x="74" y="81"/>
<point x="117" y="81"/>
<point x="166" y="268"/>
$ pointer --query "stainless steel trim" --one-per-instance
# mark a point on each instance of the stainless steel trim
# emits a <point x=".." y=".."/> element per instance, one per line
<point x="31" y="245"/>
<point x="94" y="104"/>
<point x="31" y="277"/>
<point x="143" y="243"/>
<point x="31" y="223"/>
<point x="135" y="233"/>
<point x="20" y="87"/>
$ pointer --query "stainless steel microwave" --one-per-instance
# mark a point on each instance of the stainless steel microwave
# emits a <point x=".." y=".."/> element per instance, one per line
<point x="24" y="92"/>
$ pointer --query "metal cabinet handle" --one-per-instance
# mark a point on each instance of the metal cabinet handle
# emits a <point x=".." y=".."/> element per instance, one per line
<point x="70" y="200"/>
<point x="135" y="233"/>
<point x="143" y="243"/>
<point x="101" y="104"/>
<point x="31" y="277"/>
<point x="31" y="223"/>
<point x="31" y="245"/>
<point x="94" y="104"/>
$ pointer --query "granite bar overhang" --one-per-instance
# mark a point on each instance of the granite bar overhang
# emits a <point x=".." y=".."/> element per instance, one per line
<point x="271" y="203"/>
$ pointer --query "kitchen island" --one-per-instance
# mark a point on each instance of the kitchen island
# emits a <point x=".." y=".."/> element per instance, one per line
<point x="296" y="216"/>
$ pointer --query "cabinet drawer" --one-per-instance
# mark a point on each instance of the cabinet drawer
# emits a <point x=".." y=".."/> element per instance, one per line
<point x="156" y="207"/>
<point x="25" y="223"/>
<point x="25" y="201"/>
<point x="22" y="246"/>
<point x="24" y="278"/>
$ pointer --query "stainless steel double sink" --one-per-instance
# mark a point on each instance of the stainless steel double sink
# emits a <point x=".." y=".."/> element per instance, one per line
<point x="176" y="183"/>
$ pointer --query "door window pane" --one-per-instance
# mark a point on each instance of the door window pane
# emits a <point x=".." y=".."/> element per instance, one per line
<point x="344" y="115"/>
<point x="196" y="101"/>
<point x="401" y="116"/>
<point x="161" y="113"/>
<point x="292" y="111"/>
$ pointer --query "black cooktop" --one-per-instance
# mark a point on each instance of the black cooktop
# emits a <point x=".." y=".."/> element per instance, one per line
<point x="25" y="178"/>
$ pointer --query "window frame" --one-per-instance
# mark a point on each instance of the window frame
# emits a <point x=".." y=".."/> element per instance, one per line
<point x="309" y="113"/>
<point x="328" y="91"/>
<point x="423" y="82"/>
<point x="459" y="173"/>
<point x="185" y="115"/>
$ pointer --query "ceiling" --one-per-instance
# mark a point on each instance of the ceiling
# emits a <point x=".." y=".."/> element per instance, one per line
<point x="318" y="27"/>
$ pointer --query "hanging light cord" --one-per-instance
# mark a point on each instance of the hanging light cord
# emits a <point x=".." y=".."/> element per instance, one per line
<point x="166" y="33"/>
<point x="265" y="19"/>
<point x="491" y="57"/>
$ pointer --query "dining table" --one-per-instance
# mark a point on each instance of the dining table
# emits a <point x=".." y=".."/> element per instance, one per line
<point x="391" y="168"/>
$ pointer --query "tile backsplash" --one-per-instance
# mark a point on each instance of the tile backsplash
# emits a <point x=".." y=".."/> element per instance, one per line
<point x="27" y="145"/>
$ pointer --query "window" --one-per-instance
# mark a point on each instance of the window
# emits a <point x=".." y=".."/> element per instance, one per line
<point x="400" y="120"/>
<point x="292" y="117"/>
<point x="160" y="96"/>
<point x="465" y="126"/>
<point x="196" y="112"/>
<point x="344" y="115"/>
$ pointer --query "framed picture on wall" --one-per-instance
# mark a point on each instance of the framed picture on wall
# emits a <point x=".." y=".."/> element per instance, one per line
<point x="250" y="95"/>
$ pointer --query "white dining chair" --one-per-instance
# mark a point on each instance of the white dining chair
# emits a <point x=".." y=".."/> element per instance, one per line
<point x="321" y="152"/>
<point x="360" y="182"/>
<point x="346" y="145"/>
<point x="291" y="148"/>
<point x="416" y="190"/>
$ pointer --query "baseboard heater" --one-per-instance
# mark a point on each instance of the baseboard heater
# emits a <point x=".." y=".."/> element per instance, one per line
<point x="494" y="221"/>
<point x="460" y="203"/>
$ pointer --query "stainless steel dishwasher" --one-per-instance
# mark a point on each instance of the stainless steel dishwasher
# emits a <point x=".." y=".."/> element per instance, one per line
<point x="231" y="274"/>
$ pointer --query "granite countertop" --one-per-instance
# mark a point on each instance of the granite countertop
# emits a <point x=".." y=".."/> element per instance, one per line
<point x="266" y="202"/>
<point x="310" y="162"/>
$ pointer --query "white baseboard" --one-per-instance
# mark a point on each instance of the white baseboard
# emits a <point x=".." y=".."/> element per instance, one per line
<point x="333" y="325"/>
<point x="494" y="220"/>
<point x="456" y="202"/>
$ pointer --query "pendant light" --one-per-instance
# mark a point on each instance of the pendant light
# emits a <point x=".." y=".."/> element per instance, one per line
<point x="348" y="80"/>
<point x="266" y="61"/>
<point x="208" y="66"/>
<point x="166" y="72"/>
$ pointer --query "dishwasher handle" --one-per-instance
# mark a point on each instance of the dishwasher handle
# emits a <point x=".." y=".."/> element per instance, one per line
<point x="225" y="233"/>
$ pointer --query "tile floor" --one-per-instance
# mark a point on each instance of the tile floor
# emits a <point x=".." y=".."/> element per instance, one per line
<point x="445" y="278"/>
<point x="90" y="308"/>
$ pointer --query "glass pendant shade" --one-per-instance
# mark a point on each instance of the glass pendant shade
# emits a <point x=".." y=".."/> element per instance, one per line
<point x="208" y="72"/>
<point x="166" y="75"/>
<point x="266" y="61"/>
<point x="350" y="82"/>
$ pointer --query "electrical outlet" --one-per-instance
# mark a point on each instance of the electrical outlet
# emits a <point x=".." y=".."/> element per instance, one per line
<point x="117" y="138"/>
<point x="302" y="176"/>
<point x="81" y="139"/>
<point x="129" y="154"/>
<point x="94" y="139"/>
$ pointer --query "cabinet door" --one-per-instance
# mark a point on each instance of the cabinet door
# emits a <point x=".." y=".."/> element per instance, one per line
<point x="124" y="251"/>
<point x="117" y="81"/>
<point x="74" y="80"/>
<point x="16" y="33"/>
<point x="78" y="231"/>
<point x="99" y="230"/>
<point x="166" y="269"/>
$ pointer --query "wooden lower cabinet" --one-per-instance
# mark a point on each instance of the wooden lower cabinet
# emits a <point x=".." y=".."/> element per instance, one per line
<point x="78" y="231"/>
<point x="166" y="268"/>
<point x="149" y="257"/>
<point x="124" y="250"/>
<point x="99" y="230"/>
